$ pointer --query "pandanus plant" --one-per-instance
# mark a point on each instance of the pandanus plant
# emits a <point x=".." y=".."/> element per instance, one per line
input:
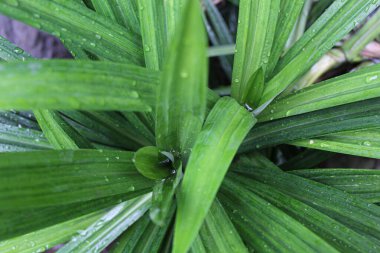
<point x="125" y="148"/>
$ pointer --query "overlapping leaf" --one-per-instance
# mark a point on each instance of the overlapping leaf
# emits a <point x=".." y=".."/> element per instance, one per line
<point x="216" y="145"/>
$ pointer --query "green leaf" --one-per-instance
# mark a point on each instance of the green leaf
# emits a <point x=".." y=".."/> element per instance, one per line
<point x="90" y="85"/>
<point x="99" y="129"/>
<point x="43" y="239"/>
<point x="364" y="143"/>
<point x="119" y="127"/>
<point x="19" y="222"/>
<point x="78" y="25"/>
<point x="289" y="12"/>
<point x="256" y="31"/>
<point x="129" y="239"/>
<point x="19" y="118"/>
<point x="163" y="196"/>
<point x="221" y="50"/>
<point x="356" y="86"/>
<point x="215" y="147"/>
<point x="153" y="31"/>
<point x="153" y="237"/>
<point x="139" y="122"/>
<point x="197" y="246"/>
<point x="219" y="33"/>
<point x="59" y="133"/>
<point x="368" y="32"/>
<point x="354" y="116"/>
<point x="48" y="178"/>
<point x="106" y="229"/>
<point x="11" y="52"/>
<point x="306" y="159"/>
<point x="363" y="183"/>
<point x="181" y="98"/>
<point x="339" y="19"/>
<point x="151" y="163"/>
<point x="317" y="10"/>
<point x="264" y="227"/>
<point x="218" y="234"/>
<point x="353" y="212"/>
<point x="174" y="11"/>
<point x="20" y="138"/>
<point x="330" y="230"/>
<point x="255" y="88"/>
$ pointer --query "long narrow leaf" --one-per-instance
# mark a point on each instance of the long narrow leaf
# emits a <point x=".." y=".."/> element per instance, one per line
<point x="90" y="85"/>
<point x="256" y="31"/>
<point x="265" y="227"/>
<point x="354" y="116"/>
<point x="49" y="237"/>
<point x="333" y="25"/>
<point x="364" y="143"/>
<point x="362" y="183"/>
<point x="59" y="133"/>
<point x="48" y="178"/>
<point x="218" y="233"/>
<point x="181" y="98"/>
<point x="356" y="86"/>
<point x="216" y="145"/>
<point x="73" y="22"/>
<point x="106" y="229"/>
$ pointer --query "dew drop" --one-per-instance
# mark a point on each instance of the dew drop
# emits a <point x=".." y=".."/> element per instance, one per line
<point x="98" y="36"/>
<point x="92" y="44"/>
<point x="311" y="142"/>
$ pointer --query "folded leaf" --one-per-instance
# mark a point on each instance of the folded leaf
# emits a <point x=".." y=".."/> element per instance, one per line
<point x="289" y="12"/>
<point x="256" y="31"/>
<point x="181" y="98"/>
<point x="216" y="145"/>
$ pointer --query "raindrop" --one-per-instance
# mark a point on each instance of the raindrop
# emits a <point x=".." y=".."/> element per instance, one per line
<point x="92" y="44"/>
<point x="184" y="74"/>
<point x="146" y="48"/>
<point x="367" y="143"/>
<point x="311" y="142"/>
<point x="371" y="78"/>
<point x="98" y="36"/>
<point x="18" y="50"/>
